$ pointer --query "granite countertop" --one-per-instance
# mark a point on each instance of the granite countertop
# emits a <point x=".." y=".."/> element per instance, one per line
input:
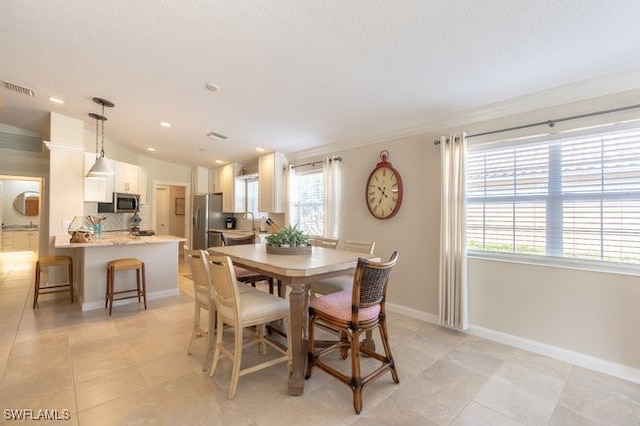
<point x="115" y="238"/>
<point x="19" y="227"/>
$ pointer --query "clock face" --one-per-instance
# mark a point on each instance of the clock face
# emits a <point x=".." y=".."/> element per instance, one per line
<point x="384" y="192"/>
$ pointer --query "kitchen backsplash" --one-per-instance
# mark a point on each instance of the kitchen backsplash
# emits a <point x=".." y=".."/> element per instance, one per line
<point x="119" y="221"/>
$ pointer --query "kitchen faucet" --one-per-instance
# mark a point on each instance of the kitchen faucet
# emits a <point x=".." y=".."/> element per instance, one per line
<point x="253" y="220"/>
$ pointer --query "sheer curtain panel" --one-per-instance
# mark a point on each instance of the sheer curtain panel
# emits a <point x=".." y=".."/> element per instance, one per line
<point x="453" y="262"/>
<point x="331" y="196"/>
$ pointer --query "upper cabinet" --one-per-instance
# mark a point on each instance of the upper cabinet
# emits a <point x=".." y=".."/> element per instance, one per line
<point x="199" y="180"/>
<point x="215" y="179"/>
<point x="142" y="184"/>
<point x="97" y="189"/>
<point x="126" y="178"/>
<point x="271" y="168"/>
<point x="233" y="198"/>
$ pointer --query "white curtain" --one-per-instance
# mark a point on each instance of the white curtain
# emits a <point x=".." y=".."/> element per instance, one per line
<point x="289" y="182"/>
<point x="331" y="226"/>
<point x="453" y="253"/>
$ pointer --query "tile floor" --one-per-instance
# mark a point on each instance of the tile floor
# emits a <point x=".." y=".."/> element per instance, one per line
<point x="132" y="369"/>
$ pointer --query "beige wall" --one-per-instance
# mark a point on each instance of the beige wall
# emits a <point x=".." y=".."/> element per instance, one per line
<point x="590" y="314"/>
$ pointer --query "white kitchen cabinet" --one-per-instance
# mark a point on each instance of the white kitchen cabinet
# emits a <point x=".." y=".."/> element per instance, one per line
<point x="97" y="189"/>
<point x="271" y="169"/>
<point x="199" y="180"/>
<point x="215" y="179"/>
<point x="233" y="200"/>
<point x="142" y="184"/>
<point x="20" y="240"/>
<point x="126" y="178"/>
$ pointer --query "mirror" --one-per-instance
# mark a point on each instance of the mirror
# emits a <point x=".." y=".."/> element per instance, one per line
<point x="27" y="203"/>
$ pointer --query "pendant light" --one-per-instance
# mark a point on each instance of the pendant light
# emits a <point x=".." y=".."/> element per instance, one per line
<point x="101" y="168"/>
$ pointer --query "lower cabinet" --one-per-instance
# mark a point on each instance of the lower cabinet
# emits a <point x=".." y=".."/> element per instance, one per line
<point x="20" y="240"/>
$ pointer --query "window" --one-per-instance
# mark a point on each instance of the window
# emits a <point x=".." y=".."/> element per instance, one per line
<point x="571" y="197"/>
<point x="307" y="201"/>
<point x="251" y="190"/>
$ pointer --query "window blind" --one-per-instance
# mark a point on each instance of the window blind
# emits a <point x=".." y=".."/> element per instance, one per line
<point x="571" y="197"/>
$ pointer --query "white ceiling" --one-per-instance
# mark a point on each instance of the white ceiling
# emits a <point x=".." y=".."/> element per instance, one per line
<point x="295" y="74"/>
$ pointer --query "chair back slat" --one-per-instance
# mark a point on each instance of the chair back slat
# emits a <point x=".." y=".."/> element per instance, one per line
<point x="370" y="281"/>
<point x="199" y="271"/>
<point x="224" y="279"/>
<point x="359" y="246"/>
<point x="325" y="242"/>
<point x="236" y="241"/>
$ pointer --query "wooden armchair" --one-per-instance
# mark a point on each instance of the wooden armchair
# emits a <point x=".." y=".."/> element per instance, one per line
<point x="350" y="314"/>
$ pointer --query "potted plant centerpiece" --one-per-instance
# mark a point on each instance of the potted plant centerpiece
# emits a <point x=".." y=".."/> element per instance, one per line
<point x="288" y="240"/>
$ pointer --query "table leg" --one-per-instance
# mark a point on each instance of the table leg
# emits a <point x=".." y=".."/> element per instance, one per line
<point x="297" y="306"/>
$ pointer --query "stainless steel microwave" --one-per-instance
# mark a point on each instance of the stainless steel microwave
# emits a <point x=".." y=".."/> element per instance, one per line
<point x="122" y="203"/>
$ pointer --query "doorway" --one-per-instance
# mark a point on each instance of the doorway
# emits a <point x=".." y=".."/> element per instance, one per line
<point x="20" y="213"/>
<point x="170" y="209"/>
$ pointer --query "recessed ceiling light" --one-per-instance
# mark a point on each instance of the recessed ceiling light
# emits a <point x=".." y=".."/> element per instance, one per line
<point x="56" y="100"/>
<point x="260" y="149"/>
<point x="151" y="149"/>
<point x="216" y="136"/>
<point x="219" y="161"/>
<point x="211" y="87"/>
<point x="165" y="124"/>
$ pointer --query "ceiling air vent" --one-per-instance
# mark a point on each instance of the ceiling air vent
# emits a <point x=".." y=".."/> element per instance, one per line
<point x="216" y="136"/>
<point x="22" y="143"/>
<point x="19" y="89"/>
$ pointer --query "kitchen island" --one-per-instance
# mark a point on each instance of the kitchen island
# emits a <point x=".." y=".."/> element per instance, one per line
<point x="158" y="252"/>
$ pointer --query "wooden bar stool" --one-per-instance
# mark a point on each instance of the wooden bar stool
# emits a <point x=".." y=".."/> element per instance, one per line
<point x="124" y="265"/>
<point x="47" y="261"/>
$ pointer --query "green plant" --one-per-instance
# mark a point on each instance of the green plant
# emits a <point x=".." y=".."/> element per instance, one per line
<point x="288" y="235"/>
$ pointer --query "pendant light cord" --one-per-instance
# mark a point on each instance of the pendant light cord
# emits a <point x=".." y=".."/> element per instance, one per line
<point x="102" y="147"/>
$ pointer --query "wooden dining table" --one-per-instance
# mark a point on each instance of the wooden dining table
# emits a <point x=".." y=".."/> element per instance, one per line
<point x="295" y="271"/>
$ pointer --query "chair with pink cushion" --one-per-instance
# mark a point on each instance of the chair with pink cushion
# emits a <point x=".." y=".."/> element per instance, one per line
<point x="351" y="314"/>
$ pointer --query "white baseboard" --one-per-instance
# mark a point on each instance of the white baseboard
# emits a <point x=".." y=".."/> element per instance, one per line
<point x="90" y="306"/>
<point x="572" y="357"/>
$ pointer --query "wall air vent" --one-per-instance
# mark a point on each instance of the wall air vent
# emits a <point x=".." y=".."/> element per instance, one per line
<point x="19" y="89"/>
<point x="22" y="143"/>
<point x="216" y="136"/>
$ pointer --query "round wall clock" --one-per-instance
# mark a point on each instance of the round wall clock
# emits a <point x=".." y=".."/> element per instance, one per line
<point x="384" y="189"/>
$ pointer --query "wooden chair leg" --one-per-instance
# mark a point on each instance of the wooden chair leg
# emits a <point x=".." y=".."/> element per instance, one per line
<point x="71" y="279"/>
<point x="36" y="290"/>
<point x="356" y="375"/>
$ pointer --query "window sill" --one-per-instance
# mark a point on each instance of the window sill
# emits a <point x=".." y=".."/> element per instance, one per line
<point x="557" y="262"/>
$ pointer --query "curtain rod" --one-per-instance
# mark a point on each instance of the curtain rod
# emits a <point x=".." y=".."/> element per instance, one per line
<point x="550" y="123"/>
<point x="312" y="164"/>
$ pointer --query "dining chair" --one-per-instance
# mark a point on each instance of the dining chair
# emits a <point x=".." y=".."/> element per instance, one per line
<point x="350" y="314"/>
<point x="253" y="309"/>
<point x="246" y="275"/>
<point x="203" y="299"/>
<point x="325" y="242"/>
<point x="342" y="282"/>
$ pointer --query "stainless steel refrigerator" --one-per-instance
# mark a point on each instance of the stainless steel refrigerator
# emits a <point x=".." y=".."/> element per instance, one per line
<point x="207" y="214"/>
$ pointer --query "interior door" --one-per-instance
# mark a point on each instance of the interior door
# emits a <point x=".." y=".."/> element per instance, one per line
<point x="162" y="210"/>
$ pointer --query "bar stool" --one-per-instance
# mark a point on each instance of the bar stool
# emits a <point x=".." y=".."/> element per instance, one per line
<point x="124" y="265"/>
<point x="47" y="261"/>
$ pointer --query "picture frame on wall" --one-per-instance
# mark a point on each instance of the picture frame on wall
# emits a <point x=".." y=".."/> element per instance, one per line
<point x="179" y="206"/>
